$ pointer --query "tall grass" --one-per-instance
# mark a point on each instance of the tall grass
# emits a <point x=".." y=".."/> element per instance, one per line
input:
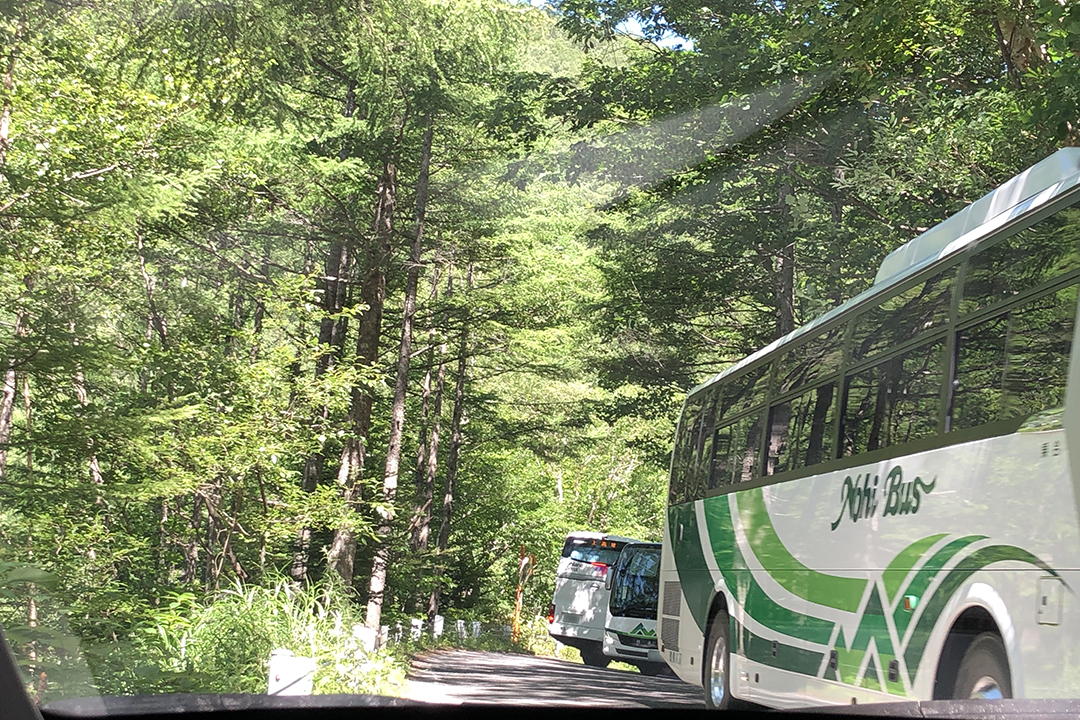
<point x="224" y="644"/>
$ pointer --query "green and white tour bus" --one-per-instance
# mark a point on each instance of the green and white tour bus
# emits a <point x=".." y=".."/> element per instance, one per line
<point x="882" y="505"/>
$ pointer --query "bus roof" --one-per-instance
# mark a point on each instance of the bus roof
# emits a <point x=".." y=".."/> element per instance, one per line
<point x="1032" y="188"/>
<point x="590" y="535"/>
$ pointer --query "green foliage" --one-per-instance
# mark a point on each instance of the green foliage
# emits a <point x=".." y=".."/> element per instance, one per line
<point x="187" y="197"/>
<point x="223" y="645"/>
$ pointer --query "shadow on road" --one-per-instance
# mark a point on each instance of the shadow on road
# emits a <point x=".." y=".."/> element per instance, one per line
<point x="457" y="676"/>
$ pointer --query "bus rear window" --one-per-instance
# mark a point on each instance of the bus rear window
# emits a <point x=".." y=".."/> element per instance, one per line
<point x="592" y="550"/>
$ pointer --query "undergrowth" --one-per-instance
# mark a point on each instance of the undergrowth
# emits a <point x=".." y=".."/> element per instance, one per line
<point x="223" y="645"/>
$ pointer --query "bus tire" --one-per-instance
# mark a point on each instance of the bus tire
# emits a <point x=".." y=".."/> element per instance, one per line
<point x="594" y="656"/>
<point x="984" y="670"/>
<point x="716" y="671"/>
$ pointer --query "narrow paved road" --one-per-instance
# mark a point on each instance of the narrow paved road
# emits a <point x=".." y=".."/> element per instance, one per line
<point x="462" y="676"/>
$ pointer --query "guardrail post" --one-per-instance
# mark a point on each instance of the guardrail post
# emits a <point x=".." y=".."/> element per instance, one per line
<point x="289" y="674"/>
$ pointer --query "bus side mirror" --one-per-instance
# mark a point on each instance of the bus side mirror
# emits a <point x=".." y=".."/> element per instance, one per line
<point x="608" y="576"/>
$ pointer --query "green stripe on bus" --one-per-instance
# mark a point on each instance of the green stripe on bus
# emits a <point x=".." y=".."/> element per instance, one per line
<point x="741" y="582"/>
<point x="952" y="582"/>
<point x="694" y="576"/>
<point x="872" y="626"/>
<point x="901" y="565"/>
<point x="842" y="593"/>
<point x="926" y="575"/>
<point x="788" y="657"/>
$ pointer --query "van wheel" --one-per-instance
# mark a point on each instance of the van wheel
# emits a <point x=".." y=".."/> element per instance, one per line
<point x="716" y="672"/>
<point x="984" y="671"/>
<point x="594" y="657"/>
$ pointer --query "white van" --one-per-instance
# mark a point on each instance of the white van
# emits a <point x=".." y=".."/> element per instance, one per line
<point x="630" y="629"/>
<point x="576" y="617"/>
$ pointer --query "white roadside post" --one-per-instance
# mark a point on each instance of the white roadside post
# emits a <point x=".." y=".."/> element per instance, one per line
<point x="368" y="637"/>
<point x="290" y="674"/>
<point x="460" y="630"/>
<point x="437" y="627"/>
<point x="415" y="628"/>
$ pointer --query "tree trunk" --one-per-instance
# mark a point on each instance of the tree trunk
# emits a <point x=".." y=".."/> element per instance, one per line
<point x="784" y="292"/>
<point x="7" y="398"/>
<point x="785" y="269"/>
<point x="191" y="549"/>
<point x="10" y="387"/>
<point x="332" y="329"/>
<point x="95" y="468"/>
<point x="423" y="530"/>
<point x="425" y="489"/>
<point x="421" y="447"/>
<point x="342" y="555"/>
<point x="155" y="320"/>
<point x="379" y="564"/>
<point x="8" y="85"/>
<point x="452" y="459"/>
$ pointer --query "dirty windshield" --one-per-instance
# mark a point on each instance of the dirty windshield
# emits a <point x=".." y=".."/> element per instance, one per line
<point x="324" y="324"/>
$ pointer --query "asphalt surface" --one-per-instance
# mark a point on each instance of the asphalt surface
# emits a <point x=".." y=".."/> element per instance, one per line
<point x="465" y="676"/>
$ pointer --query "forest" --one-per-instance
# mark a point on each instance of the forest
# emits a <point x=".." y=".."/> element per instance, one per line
<point x="344" y="304"/>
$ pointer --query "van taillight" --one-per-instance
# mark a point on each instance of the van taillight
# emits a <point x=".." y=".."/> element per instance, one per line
<point x="551" y="613"/>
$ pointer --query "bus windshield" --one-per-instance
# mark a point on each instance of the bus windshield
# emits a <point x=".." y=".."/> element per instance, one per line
<point x="636" y="586"/>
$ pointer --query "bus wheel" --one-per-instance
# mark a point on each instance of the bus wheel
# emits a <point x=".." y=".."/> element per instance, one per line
<point x="717" y="669"/>
<point x="984" y="671"/>
<point x="594" y="657"/>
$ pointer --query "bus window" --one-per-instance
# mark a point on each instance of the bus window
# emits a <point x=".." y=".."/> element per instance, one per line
<point x="903" y="316"/>
<point x="1021" y="262"/>
<point x="745" y="392"/>
<point x="893" y="402"/>
<point x="701" y="459"/>
<point x="721" y="474"/>
<point x="799" y="433"/>
<point x="1037" y="360"/>
<point x="682" y="456"/>
<point x="980" y="357"/>
<point x="592" y="550"/>
<point x="737" y="450"/>
<point x="814" y="359"/>
<point x="1014" y="364"/>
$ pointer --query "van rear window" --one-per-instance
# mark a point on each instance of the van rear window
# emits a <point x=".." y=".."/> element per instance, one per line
<point x="592" y="550"/>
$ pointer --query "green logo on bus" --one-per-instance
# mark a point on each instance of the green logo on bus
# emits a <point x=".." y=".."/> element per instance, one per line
<point x="642" y="631"/>
<point x="859" y="497"/>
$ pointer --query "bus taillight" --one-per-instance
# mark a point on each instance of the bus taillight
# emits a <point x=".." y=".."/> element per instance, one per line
<point x="551" y="613"/>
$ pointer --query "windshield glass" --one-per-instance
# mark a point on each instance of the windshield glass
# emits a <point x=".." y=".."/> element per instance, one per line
<point x="592" y="551"/>
<point x="331" y="331"/>
<point x="635" y="589"/>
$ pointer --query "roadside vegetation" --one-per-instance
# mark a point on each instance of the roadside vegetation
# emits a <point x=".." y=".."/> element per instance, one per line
<point x="316" y="315"/>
